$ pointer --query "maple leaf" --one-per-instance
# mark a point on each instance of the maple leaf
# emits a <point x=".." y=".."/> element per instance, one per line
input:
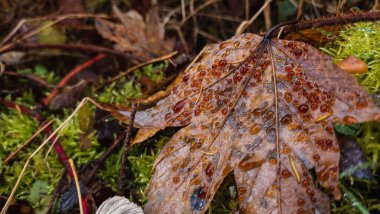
<point x="144" y="40"/>
<point x="263" y="109"/>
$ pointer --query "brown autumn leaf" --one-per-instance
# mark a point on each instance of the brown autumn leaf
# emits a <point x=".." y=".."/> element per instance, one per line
<point x="272" y="136"/>
<point x="142" y="39"/>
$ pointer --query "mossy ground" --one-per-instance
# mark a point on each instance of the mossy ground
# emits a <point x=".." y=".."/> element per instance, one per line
<point x="361" y="40"/>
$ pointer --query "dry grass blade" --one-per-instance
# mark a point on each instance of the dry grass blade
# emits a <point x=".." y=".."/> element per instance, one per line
<point x="77" y="186"/>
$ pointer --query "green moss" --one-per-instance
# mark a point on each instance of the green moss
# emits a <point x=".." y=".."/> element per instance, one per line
<point x="51" y="35"/>
<point x="363" y="41"/>
<point x="142" y="163"/>
<point x="118" y="93"/>
<point x="154" y="73"/>
<point x="225" y="199"/>
<point x="110" y="173"/>
<point x="369" y="142"/>
<point x="26" y="99"/>
<point x="70" y="140"/>
<point x="42" y="72"/>
<point x="16" y="129"/>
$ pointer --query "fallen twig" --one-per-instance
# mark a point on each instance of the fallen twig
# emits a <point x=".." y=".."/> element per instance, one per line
<point x="321" y="22"/>
<point x="70" y="75"/>
<point x="81" y="47"/>
<point x="97" y="163"/>
<point x="207" y="3"/>
<point x="245" y="24"/>
<point x="31" y="77"/>
<point x="122" y="74"/>
<point x="124" y="158"/>
<point x="39" y="29"/>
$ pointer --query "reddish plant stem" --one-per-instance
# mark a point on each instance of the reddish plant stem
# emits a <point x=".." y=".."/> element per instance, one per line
<point x="62" y="155"/>
<point x="23" y="109"/>
<point x="81" y="47"/>
<point x="70" y="75"/>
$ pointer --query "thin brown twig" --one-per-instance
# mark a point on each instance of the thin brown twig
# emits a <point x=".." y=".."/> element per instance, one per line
<point x="31" y="77"/>
<point x="209" y="36"/>
<point x="195" y="23"/>
<point x="161" y="58"/>
<point x="299" y="9"/>
<point x="70" y="75"/>
<point x="183" y="10"/>
<point x="39" y="29"/>
<point x="267" y="18"/>
<point x="98" y="162"/>
<point x="375" y="5"/>
<point x="81" y="47"/>
<point x="207" y="3"/>
<point x="124" y="159"/>
<point x="222" y="17"/>
<point x="246" y="10"/>
<point x="245" y="24"/>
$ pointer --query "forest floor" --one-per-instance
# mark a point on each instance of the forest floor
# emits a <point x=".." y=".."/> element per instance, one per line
<point x="55" y="53"/>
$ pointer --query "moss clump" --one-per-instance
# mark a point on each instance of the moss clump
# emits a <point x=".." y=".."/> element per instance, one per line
<point x="16" y="129"/>
<point x="118" y="93"/>
<point x="42" y="72"/>
<point x="110" y="172"/>
<point x="141" y="160"/>
<point x="154" y="73"/>
<point x="363" y="41"/>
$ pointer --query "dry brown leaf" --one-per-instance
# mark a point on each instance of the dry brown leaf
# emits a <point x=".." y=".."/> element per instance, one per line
<point x="270" y="135"/>
<point x="143" y="40"/>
